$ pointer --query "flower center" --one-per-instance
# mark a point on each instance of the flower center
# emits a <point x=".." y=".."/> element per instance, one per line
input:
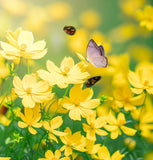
<point x="23" y="47"/>
<point x="54" y="158"/>
<point x="92" y="125"/>
<point x="146" y="84"/>
<point x="121" y="122"/>
<point x="28" y="90"/>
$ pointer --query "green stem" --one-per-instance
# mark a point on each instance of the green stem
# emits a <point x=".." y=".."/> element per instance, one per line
<point x="10" y="86"/>
<point x="106" y="139"/>
<point x="87" y="156"/>
<point x="61" y="101"/>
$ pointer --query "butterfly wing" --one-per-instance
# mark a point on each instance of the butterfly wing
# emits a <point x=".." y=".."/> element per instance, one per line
<point x="95" y="54"/>
<point x="102" y="51"/>
<point x="91" y="81"/>
<point x="92" y="50"/>
<point x="101" y="61"/>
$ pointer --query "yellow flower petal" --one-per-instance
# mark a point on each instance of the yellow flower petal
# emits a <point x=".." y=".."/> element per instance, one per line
<point x="22" y="124"/>
<point x="32" y="130"/>
<point x="103" y="153"/>
<point x="25" y="37"/>
<point x="56" y="122"/>
<point x="75" y="114"/>
<point x="114" y="134"/>
<point x="134" y="80"/>
<point x="101" y="132"/>
<point x="128" y="131"/>
<point x="49" y="154"/>
<point x="28" y="102"/>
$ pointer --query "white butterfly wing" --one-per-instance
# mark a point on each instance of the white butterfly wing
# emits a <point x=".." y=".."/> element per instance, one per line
<point x="101" y="61"/>
<point x="95" y="54"/>
<point x="92" y="50"/>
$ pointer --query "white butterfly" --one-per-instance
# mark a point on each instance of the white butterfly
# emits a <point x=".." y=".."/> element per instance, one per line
<point x="95" y="54"/>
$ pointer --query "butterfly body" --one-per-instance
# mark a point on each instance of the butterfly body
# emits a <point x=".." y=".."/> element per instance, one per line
<point x="96" y="54"/>
<point x="69" y="30"/>
<point x="91" y="81"/>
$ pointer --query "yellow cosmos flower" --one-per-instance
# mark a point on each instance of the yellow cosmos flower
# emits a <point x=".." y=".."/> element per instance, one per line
<point x="126" y="6"/>
<point x="94" y="126"/>
<point x="68" y="73"/>
<point x="90" y="19"/>
<point x="23" y="46"/>
<point x="52" y="125"/>
<point x="79" y="102"/>
<point x="30" y="119"/>
<point x="146" y="17"/>
<point x="144" y="116"/>
<point x="72" y="141"/>
<point x="141" y="79"/>
<point x="103" y="154"/>
<point x="31" y="91"/>
<point x="116" y="125"/>
<point x="125" y="98"/>
<point x="49" y="155"/>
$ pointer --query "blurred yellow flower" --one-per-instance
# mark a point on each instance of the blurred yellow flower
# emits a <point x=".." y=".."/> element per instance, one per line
<point x="68" y="73"/>
<point x="124" y="33"/>
<point x="140" y="53"/>
<point x="141" y="79"/>
<point x="37" y="23"/>
<point x="50" y="156"/>
<point x="126" y="6"/>
<point x="4" y="120"/>
<point x="144" y="116"/>
<point x="31" y="91"/>
<point x="78" y="42"/>
<point x="23" y="46"/>
<point x="130" y="143"/>
<point x="79" y="102"/>
<point x="72" y="141"/>
<point x="103" y="154"/>
<point x="15" y="7"/>
<point x="146" y="17"/>
<point x="115" y="126"/>
<point x="148" y="155"/>
<point x="125" y="98"/>
<point x="90" y="19"/>
<point x="94" y="126"/>
<point x="30" y="119"/>
<point x="59" y="11"/>
<point x="53" y="124"/>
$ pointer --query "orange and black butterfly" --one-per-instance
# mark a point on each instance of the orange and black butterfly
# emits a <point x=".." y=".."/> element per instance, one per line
<point x="69" y="30"/>
<point x="91" y="81"/>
